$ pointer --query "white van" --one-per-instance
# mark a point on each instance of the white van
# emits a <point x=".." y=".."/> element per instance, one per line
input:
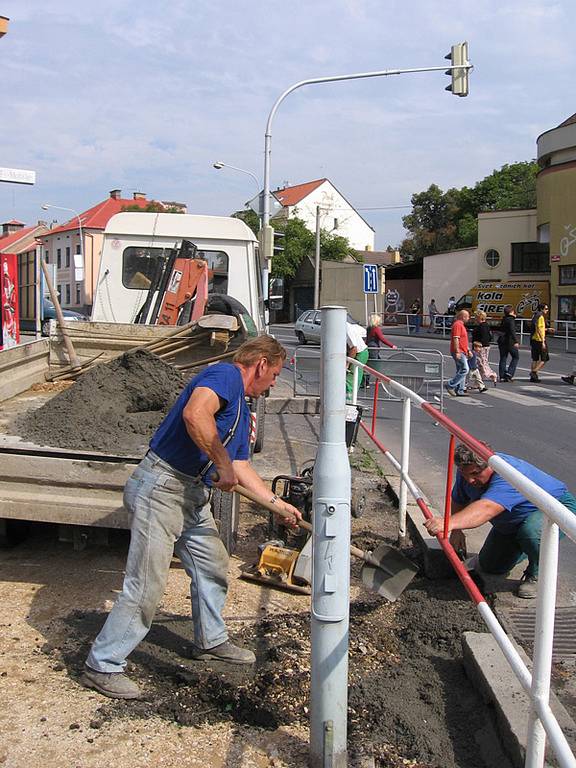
<point x="134" y="242"/>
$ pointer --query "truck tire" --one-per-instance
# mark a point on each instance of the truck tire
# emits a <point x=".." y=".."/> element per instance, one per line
<point x="260" y="424"/>
<point x="226" y="512"/>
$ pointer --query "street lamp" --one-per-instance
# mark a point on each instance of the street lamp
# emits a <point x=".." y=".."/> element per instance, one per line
<point x="219" y="165"/>
<point x="336" y="78"/>
<point x="78" y="263"/>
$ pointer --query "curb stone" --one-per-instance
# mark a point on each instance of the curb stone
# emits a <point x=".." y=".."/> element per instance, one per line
<point x="492" y="676"/>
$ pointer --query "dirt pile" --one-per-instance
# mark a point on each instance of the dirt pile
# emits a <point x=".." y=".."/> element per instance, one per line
<point x="113" y="408"/>
<point x="409" y="698"/>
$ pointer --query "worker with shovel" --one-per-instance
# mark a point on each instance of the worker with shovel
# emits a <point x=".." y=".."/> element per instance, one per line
<point x="202" y="442"/>
<point x="480" y="495"/>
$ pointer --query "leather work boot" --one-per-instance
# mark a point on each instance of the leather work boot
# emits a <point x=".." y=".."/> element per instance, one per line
<point x="114" y="685"/>
<point x="226" y="651"/>
<point x="528" y="587"/>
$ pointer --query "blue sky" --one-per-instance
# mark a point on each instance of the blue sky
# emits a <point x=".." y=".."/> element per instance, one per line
<point x="145" y="96"/>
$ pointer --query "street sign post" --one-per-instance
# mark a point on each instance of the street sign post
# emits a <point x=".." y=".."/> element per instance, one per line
<point x="370" y="286"/>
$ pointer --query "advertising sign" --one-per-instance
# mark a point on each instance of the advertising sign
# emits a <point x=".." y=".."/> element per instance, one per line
<point x="17" y="176"/>
<point x="10" y="328"/>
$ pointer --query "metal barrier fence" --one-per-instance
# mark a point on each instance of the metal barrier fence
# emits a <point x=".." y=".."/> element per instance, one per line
<point x="421" y="370"/>
<point x="542" y="722"/>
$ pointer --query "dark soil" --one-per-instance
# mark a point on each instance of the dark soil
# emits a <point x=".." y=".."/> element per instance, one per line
<point x="409" y="698"/>
<point x="114" y="407"/>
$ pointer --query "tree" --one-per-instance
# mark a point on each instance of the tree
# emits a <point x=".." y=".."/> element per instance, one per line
<point x="153" y="207"/>
<point x="442" y="221"/>
<point x="250" y="218"/>
<point x="299" y="242"/>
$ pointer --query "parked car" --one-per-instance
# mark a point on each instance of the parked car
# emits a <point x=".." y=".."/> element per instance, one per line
<point x="49" y="313"/>
<point x="307" y="327"/>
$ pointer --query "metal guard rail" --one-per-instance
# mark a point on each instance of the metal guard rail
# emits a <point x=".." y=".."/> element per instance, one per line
<point x="537" y="685"/>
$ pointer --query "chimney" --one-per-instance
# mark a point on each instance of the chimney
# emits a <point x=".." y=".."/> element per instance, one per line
<point x="139" y="195"/>
<point x="116" y="194"/>
<point x="9" y="227"/>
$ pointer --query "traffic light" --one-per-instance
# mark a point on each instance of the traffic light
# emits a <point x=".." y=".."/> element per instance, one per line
<point x="266" y="240"/>
<point x="279" y="242"/>
<point x="458" y="57"/>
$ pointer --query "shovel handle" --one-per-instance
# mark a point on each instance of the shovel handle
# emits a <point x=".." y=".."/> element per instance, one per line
<point x="269" y="506"/>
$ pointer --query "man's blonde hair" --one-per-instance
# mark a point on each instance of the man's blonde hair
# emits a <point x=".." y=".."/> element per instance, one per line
<point x="255" y="349"/>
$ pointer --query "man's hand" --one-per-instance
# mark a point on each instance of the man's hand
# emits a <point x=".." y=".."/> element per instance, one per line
<point x="292" y="514"/>
<point x="435" y="525"/>
<point x="225" y="477"/>
<point x="458" y="541"/>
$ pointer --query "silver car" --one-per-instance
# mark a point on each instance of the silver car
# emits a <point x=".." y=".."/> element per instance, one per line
<point x="307" y="327"/>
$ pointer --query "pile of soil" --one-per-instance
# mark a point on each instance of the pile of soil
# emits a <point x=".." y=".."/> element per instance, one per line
<point x="410" y="702"/>
<point x="114" y="407"/>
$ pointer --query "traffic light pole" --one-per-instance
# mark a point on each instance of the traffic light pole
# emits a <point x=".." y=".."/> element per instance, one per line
<point x="280" y="99"/>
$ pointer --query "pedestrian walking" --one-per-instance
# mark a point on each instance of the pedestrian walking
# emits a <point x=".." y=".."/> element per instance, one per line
<point x="356" y="348"/>
<point x="474" y="380"/>
<point x="538" y="345"/>
<point x="416" y="319"/>
<point x="202" y="443"/>
<point x="481" y="338"/>
<point x="375" y="340"/>
<point x="451" y="306"/>
<point x="480" y="495"/>
<point x="508" y="345"/>
<point x="433" y="311"/>
<point x="460" y="351"/>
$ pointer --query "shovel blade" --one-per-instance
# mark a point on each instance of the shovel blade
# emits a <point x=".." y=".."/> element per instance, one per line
<point x="391" y="576"/>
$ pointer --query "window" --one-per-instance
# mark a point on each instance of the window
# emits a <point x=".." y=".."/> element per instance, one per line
<point x="78" y="248"/>
<point x="530" y="257"/>
<point x="566" y="307"/>
<point x="567" y="274"/>
<point x="142" y="266"/>
<point x="47" y="258"/>
<point x="67" y="264"/>
<point x="78" y="295"/>
<point x="492" y="258"/>
<point x="59" y="257"/>
<point x="67" y="294"/>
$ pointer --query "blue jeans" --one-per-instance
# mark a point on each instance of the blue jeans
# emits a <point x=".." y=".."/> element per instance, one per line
<point x="502" y="551"/>
<point x="457" y="382"/>
<point x="171" y="512"/>
<point x="508" y="371"/>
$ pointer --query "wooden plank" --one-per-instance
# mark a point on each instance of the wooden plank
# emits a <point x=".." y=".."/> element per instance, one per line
<point x="22" y="366"/>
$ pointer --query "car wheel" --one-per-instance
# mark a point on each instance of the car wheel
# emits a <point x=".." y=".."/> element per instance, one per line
<point x="226" y="512"/>
<point x="45" y="328"/>
<point x="260" y="422"/>
<point x="301" y="338"/>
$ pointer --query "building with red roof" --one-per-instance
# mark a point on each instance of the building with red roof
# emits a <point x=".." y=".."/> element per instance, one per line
<point x="85" y="234"/>
<point x="337" y="215"/>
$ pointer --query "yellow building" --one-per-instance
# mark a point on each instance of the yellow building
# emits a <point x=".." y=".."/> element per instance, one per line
<point x="556" y="193"/>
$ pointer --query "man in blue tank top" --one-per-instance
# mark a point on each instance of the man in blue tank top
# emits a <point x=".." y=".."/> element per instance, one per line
<point x="480" y="495"/>
<point x="202" y="442"/>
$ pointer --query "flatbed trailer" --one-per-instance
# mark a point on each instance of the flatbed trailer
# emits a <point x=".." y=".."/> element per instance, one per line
<point x="70" y="487"/>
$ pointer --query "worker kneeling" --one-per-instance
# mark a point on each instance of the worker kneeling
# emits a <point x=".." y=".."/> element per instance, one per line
<point x="202" y="442"/>
<point x="480" y="495"/>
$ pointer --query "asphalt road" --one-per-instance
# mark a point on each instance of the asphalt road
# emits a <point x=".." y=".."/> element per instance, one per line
<point x="536" y="422"/>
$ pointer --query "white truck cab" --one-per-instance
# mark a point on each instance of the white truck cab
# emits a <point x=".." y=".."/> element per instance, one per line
<point x="135" y="242"/>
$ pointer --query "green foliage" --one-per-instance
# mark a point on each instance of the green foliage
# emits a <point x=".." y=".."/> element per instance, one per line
<point x="250" y="218"/>
<point x="153" y="207"/>
<point x="442" y="221"/>
<point x="299" y="242"/>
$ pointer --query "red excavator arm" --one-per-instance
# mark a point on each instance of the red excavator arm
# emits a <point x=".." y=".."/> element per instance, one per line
<point x="189" y="277"/>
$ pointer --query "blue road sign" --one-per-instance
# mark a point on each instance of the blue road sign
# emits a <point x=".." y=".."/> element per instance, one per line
<point x="370" y="278"/>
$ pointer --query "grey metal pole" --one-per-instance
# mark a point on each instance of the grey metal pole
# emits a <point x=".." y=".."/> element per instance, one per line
<point x="317" y="261"/>
<point x="331" y="555"/>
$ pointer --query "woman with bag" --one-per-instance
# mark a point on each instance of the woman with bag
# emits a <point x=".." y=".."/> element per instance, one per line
<point x="481" y="338"/>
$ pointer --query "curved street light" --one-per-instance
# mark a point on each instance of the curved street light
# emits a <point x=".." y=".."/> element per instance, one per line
<point x="219" y="165"/>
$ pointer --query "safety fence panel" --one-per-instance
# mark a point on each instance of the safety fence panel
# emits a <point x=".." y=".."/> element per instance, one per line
<point x="420" y="370"/>
<point x="306" y="371"/>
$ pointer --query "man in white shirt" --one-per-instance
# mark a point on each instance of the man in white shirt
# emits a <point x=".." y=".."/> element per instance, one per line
<point x="356" y="348"/>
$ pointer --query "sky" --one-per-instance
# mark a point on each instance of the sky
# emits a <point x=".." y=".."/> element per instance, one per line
<point x="146" y="96"/>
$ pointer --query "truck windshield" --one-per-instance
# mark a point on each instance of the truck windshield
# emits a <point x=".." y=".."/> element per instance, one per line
<point x="139" y="267"/>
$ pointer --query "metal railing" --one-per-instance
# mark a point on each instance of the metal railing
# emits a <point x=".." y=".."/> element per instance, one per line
<point x="542" y="722"/>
